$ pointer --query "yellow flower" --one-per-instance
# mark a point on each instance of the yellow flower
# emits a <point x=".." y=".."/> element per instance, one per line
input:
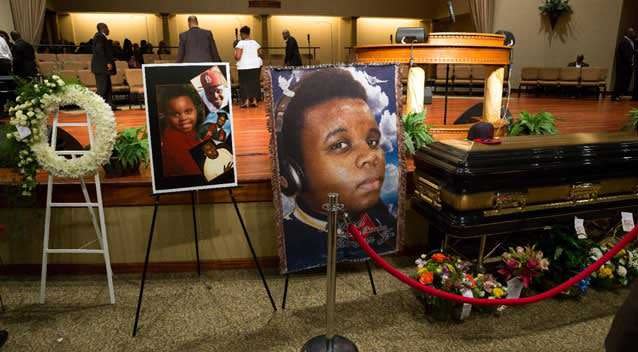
<point x="498" y="292"/>
<point x="605" y="272"/>
<point x="421" y="271"/>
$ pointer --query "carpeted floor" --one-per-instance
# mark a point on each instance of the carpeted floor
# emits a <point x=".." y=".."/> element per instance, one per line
<point x="229" y="311"/>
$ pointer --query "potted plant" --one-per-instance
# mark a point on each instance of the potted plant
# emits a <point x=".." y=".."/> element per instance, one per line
<point x="9" y="149"/>
<point x="541" y="123"/>
<point x="129" y="152"/>
<point x="633" y="119"/>
<point x="416" y="135"/>
<point x="553" y="9"/>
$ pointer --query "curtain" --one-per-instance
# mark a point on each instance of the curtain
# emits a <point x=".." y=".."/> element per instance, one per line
<point x="482" y="15"/>
<point x="28" y="18"/>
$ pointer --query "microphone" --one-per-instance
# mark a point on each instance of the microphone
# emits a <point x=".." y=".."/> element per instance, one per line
<point x="450" y="9"/>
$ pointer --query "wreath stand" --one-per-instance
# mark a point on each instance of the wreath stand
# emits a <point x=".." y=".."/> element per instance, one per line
<point x="100" y="229"/>
<point x="150" y="241"/>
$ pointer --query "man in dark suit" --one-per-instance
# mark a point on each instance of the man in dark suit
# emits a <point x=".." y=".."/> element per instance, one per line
<point x="23" y="56"/>
<point x="580" y="62"/>
<point x="196" y="44"/>
<point x="625" y="57"/>
<point x="624" y="328"/>
<point x="293" y="58"/>
<point x="102" y="64"/>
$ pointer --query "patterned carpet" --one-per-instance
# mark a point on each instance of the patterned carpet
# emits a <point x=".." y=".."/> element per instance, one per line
<point x="229" y="311"/>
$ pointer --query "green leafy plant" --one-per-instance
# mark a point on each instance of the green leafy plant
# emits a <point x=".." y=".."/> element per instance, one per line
<point x="9" y="147"/>
<point x="416" y="133"/>
<point x="554" y="9"/>
<point x="130" y="150"/>
<point x="633" y="118"/>
<point x="533" y="124"/>
<point x="555" y="6"/>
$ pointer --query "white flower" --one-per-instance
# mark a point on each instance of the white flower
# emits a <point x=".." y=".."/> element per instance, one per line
<point x="55" y="77"/>
<point x="520" y="249"/>
<point x="61" y="83"/>
<point x="621" y="271"/>
<point x="9" y="135"/>
<point x="596" y="253"/>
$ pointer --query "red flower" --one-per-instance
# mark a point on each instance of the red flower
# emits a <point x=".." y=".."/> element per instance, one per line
<point x="426" y="277"/>
<point x="532" y="263"/>
<point x="439" y="257"/>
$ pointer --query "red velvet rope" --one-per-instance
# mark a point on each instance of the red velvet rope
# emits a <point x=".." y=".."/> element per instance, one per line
<point x="356" y="234"/>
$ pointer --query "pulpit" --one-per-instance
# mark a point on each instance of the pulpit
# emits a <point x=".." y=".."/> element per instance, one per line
<point x="453" y="48"/>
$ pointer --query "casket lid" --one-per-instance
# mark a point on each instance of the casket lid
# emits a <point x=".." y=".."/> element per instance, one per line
<point x="522" y="155"/>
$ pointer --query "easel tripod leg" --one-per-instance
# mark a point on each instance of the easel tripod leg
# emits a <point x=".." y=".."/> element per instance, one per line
<point x="252" y="249"/>
<point x="374" y="288"/>
<point x="148" y="253"/>
<point x="199" y="270"/>
<point x="283" y="300"/>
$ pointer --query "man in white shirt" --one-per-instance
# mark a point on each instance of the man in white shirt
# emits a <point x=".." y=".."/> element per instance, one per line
<point x="218" y="160"/>
<point x="5" y="58"/>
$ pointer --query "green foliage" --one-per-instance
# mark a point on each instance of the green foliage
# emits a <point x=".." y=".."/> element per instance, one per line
<point x="416" y="133"/>
<point x="633" y="118"/>
<point x="555" y="6"/>
<point x="529" y="124"/>
<point x="131" y="148"/>
<point x="9" y="147"/>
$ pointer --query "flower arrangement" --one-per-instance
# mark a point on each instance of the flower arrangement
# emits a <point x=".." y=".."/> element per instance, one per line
<point x="29" y="116"/>
<point x="488" y="287"/>
<point x="444" y="272"/>
<point x="567" y="253"/>
<point x="524" y="263"/>
<point x="619" y="271"/>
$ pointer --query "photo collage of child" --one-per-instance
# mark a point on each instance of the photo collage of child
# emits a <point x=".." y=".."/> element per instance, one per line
<point x="195" y="125"/>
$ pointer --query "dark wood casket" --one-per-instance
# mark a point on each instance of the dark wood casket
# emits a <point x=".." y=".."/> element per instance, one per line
<point x="468" y="189"/>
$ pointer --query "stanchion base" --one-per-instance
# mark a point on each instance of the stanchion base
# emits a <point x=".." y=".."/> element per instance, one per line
<point x="320" y="344"/>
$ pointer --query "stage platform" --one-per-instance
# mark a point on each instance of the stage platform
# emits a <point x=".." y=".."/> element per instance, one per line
<point x="252" y="138"/>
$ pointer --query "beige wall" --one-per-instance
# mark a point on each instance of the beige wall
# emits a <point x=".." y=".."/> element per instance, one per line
<point x="223" y="28"/>
<point x="135" y="26"/>
<point x="378" y="8"/>
<point x="590" y="30"/>
<point x="65" y="27"/>
<point x="6" y="19"/>
<point x="371" y="30"/>
<point x="220" y="233"/>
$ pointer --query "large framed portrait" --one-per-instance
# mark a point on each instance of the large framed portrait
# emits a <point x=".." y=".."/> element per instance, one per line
<point x="190" y="123"/>
<point x="335" y="129"/>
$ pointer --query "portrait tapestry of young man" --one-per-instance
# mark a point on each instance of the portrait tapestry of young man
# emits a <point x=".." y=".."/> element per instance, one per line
<point x="335" y="129"/>
<point x="190" y="126"/>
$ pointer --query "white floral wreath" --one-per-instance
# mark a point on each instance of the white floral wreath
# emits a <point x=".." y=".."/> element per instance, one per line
<point x="31" y="118"/>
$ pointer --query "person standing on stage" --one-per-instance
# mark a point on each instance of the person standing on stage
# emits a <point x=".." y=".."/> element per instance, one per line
<point x="102" y="62"/>
<point x="293" y="57"/>
<point x="625" y="63"/>
<point x="634" y="96"/>
<point x="23" y="57"/>
<point x="248" y="56"/>
<point x="196" y="44"/>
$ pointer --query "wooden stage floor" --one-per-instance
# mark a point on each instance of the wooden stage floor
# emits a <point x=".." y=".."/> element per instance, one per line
<point x="252" y="137"/>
